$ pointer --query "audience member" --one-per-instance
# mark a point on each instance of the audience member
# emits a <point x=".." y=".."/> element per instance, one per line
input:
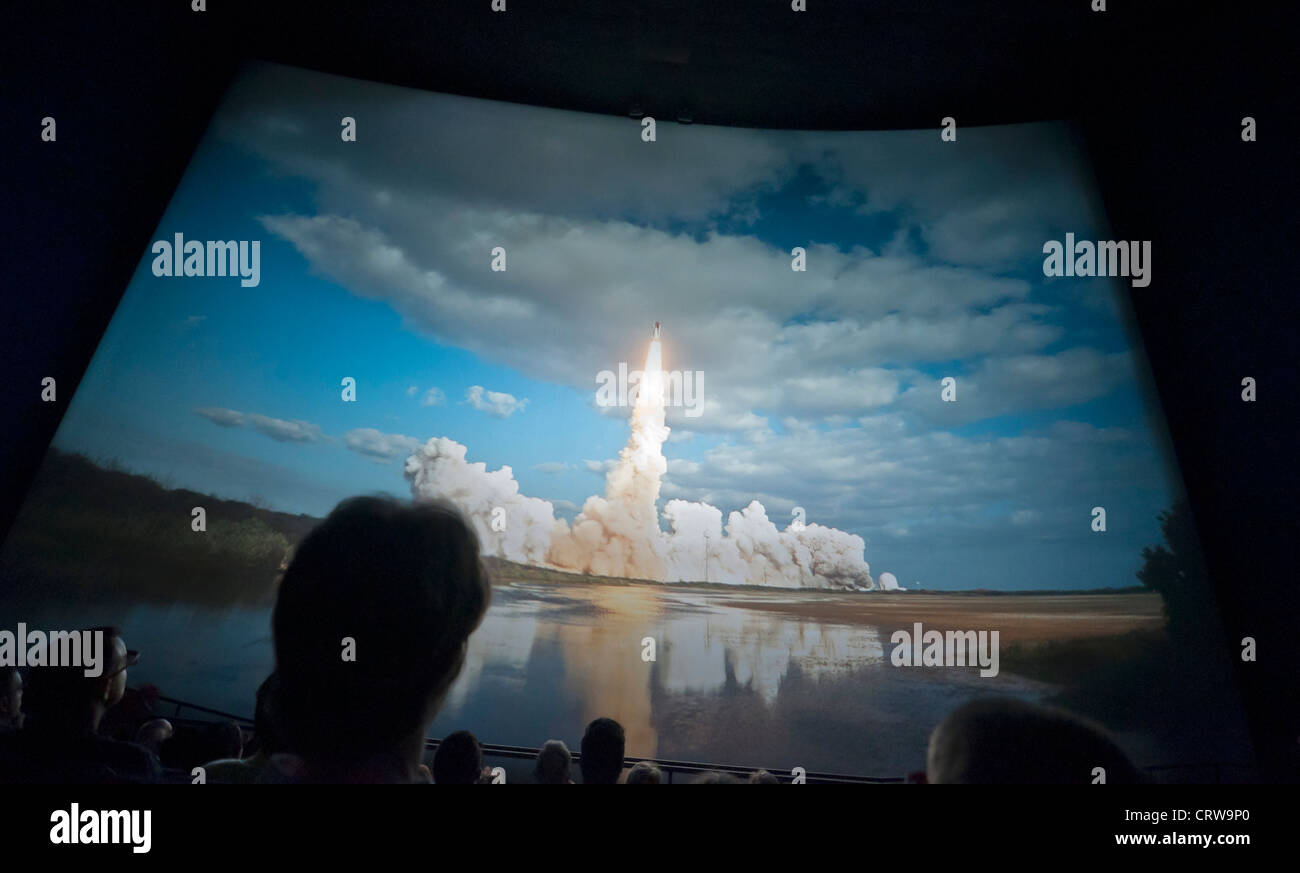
<point x="60" y="741"/>
<point x="370" y="629"/>
<point x="602" y="752"/>
<point x="152" y="734"/>
<point x="137" y="706"/>
<point x="554" y="764"/>
<point x="644" y="773"/>
<point x="1007" y="741"/>
<point x="715" y="777"/>
<point x="458" y="760"/>
<point x="11" y="700"/>
<point x="266" y="742"/>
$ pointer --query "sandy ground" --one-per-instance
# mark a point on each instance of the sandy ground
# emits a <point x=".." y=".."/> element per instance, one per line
<point x="1019" y="618"/>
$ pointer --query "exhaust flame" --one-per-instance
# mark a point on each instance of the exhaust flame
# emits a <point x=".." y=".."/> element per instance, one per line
<point x="619" y="534"/>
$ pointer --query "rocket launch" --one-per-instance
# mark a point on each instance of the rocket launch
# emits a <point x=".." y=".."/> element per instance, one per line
<point x="619" y="533"/>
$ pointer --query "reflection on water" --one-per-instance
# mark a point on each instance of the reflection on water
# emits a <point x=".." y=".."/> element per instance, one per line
<point x="730" y="683"/>
<point x="590" y="638"/>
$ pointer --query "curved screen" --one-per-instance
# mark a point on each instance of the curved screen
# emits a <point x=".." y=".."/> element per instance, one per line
<point x="779" y="444"/>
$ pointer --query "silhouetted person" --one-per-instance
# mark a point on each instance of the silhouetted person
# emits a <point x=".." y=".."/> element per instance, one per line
<point x="60" y="741"/>
<point x="266" y="742"/>
<point x="194" y="746"/>
<point x="762" y="777"/>
<point x="153" y="733"/>
<point x="370" y="627"/>
<point x="1007" y="741"/>
<point x="458" y="760"/>
<point x="644" y="773"/>
<point x="223" y="739"/>
<point x="137" y="706"/>
<point x="11" y="700"/>
<point x="715" y="777"/>
<point x="602" y="752"/>
<point x="554" y="764"/>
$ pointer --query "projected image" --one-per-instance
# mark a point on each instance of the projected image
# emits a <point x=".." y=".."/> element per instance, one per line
<point x="742" y="419"/>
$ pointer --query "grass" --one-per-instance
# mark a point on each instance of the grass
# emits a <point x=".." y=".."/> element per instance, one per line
<point x="97" y="532"/>
<point x="1135" y="681"/>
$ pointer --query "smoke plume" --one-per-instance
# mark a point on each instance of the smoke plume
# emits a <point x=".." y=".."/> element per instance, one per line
<point x="619" y="533"/>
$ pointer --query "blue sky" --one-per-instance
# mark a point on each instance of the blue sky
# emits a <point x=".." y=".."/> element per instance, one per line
<point x="822" y="387"/>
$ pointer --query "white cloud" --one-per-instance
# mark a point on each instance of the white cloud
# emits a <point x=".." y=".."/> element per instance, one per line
<point x="1020" y="383"/>
<point x="277" y="429"/>
<point x="284" y="431"/>
<point x="497" y="404"/>
<point x="223" y="417"/>
<point x="886" y="309"/>
<point x="1013" y="187"/>
<point x="683" y="466"/>
<point x="379" y="446"/>
<point x="575" y="162"/>
<point x="395" y="227"/>
<point x="884" y="476"/>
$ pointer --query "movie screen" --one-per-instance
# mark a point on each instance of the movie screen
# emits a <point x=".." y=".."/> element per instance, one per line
<point x="779" y="445"/>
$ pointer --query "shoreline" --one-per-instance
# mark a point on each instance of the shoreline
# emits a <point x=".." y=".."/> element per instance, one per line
<point x="511" y="571"/>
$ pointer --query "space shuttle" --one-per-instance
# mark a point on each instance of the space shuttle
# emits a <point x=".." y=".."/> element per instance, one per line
<point x="654" y="334"/>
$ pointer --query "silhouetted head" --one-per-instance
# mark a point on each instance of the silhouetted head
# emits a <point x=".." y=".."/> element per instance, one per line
<point x="644" y="773"/>
<point x="265" y="731"/>
<point x="11" y="699"/>
<point x="715" y="777"/>
<point x="64" y="699"/>
<point x="1006" y="741"/>
<point x="602" y="752"/>
<point x="554" y="764"/>
<point x="221" y="740"/>
<point x="458" y="760"/>
<point x="762" y="777"/>
<point x="153" y="733"/>
<point x="370" y="629"/>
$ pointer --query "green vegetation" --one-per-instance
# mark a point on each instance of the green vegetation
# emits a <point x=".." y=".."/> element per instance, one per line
<point x="1120" y="680"/>
<point x="1148" y="680"/>
<point x="512" y="571"/>
<point x="95" y="532"/>
<point x="1176" y="570"/>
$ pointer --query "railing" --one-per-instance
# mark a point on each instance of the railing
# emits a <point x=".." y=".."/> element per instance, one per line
<point x="688" y="768"/>
<point x="524" y="753"/>
<point x="181" y="704"/>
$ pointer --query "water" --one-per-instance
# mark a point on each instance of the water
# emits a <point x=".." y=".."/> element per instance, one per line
<point x="735" y="679"/>
<point x="731" y="683"/>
